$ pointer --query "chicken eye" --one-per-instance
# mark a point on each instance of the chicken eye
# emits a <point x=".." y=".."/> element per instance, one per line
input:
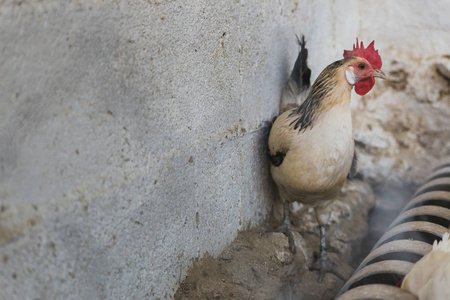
<point x="361" y="66"/>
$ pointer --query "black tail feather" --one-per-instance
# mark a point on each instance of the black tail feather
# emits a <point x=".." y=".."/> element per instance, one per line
<point x="301" y="74"/>
<point x="299" y="82"/>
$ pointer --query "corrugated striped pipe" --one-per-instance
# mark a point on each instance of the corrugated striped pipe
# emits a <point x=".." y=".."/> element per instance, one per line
<point x="410" y="236"/>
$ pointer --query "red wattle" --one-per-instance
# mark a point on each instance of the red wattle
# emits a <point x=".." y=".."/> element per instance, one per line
<point x="362" y="87"/>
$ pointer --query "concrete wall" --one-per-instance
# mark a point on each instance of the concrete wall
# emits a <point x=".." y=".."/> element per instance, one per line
<point x="131" y="138"/>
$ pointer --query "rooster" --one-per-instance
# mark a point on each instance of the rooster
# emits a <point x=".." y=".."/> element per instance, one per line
<point x="311" y="146"/>
<point x="429" y="279"/>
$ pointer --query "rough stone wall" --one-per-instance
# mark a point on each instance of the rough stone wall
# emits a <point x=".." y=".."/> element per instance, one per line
<point x="131" y="132"/>
<point x="402" y="128"/>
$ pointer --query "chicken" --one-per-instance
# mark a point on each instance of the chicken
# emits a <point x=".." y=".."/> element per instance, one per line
<point x="311" y="146"/>
<point x="429" y="279"/>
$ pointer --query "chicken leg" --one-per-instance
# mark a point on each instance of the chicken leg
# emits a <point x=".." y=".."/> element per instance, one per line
<point x="323" y="264"/>
<point x="286" y="227"/>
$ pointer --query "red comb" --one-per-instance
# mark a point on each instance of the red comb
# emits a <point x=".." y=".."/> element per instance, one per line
<point x="368" y="53"/>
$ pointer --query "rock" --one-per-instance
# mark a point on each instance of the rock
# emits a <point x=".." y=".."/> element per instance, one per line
<point x="444" y="69"/>
<point x="284" y="256"/>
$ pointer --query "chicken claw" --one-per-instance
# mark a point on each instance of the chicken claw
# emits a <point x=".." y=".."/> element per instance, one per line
<point x="323" y="264"/>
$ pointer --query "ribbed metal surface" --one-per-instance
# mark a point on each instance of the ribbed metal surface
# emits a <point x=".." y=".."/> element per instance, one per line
<point x="377" y="292"/>
<point x="410" y="236"/>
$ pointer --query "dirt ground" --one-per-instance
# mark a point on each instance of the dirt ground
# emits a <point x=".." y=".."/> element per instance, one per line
<point x="259" y="264"/>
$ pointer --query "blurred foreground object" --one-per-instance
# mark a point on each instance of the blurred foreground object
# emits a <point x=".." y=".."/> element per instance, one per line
<point x="429" y="279"/>
<point x="425" y="219"/>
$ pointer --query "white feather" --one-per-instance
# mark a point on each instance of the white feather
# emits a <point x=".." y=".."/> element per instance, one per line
<point x="350" y="76"/>
<point x="429" y="279"/>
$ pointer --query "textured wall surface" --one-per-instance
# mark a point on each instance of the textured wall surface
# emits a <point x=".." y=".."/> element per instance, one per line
<point x="131" y="137"/>
<point x="403" y="127"/>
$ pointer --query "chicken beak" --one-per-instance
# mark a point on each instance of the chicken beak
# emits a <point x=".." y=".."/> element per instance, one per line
<point x="379" y="74"/>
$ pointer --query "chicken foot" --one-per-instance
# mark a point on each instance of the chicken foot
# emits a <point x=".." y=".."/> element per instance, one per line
<point x="323" y="264"/>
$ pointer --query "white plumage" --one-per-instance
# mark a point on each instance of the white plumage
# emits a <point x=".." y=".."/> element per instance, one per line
<point x="429" y="279"/>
